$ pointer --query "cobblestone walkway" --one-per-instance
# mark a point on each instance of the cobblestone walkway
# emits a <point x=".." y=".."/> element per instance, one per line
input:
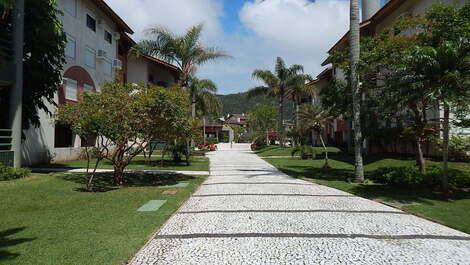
<point x="248" y="212"/>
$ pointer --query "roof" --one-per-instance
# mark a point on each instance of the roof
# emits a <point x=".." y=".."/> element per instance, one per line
<point x="378" y="17"/>
<point x="325" y="73"/>
<point x="130" y="42"/>
<point x="114" y="17"/>
<point x="237" y="116"/>
<point x="162" y="63"/>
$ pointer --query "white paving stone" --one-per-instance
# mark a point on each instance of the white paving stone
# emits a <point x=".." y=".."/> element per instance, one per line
<point x="248" y="212"/>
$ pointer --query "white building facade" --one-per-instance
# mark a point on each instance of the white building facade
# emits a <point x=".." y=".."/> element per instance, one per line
<point x="93" y="31"/>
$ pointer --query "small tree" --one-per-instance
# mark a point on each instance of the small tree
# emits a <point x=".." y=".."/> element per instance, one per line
<point x="87" y="126"/>
<point x="127" y="118"/>
<point x="314" y="118"/>
<point x="263" y="120"/>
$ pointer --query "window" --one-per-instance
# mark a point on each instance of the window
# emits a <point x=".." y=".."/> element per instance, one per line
<point x="91" y="22"/>
<point x="151" y="80"/>
<point x="71" y="7"/>
<point x="71" y="47"/>
<point x="108" y="37"/>
<point x="63" y="136"/>
<point x="87" y="88"/>
<point x="71" y="89"/>
<point x="108" y="68"/>
<point x="90" y="57"/>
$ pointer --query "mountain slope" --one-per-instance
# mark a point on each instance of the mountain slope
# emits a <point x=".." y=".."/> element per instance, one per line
<point x="239" y="103"/>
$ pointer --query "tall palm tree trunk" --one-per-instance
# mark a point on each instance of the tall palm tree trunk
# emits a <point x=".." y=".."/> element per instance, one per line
<point x="445" y="151"/>
<point x="354" y="41"/>
<point x="193" y="106"/>
<point x="281" y="120"/>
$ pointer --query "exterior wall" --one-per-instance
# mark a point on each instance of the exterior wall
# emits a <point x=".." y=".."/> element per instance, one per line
<point x="409" y="7"/>
<point x="140" y="69"/>
<point x="137" y="70"/>
<point x="161" y="75"/>
<point x="39" y="144"/>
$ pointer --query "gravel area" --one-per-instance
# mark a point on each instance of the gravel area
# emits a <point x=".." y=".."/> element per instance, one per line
<point x="247" y="212"/>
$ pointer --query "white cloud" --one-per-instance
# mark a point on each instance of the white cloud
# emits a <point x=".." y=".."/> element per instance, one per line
<point x="297" y="24"/>
<point x="300" y="31"/>
<point x="177" y="15"/>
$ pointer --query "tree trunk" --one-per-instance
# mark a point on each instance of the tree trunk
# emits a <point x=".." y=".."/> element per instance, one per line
<point x="267" y="137"/>
<point x="445" y="151"/>
<point x="193" y="113"/>
<point x="92" y="176"/>
<point x="327" y="165"/>
<point x="354" y="39"/>
<point x="193" y="105"/>
<point x="118" y="175"/>
<point x="297" y="108"/>
<point x="281" y="121"/>
<point x="419" y="155"/>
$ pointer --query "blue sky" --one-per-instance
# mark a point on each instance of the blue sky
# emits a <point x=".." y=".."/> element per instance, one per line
<point x="254" y="32"/>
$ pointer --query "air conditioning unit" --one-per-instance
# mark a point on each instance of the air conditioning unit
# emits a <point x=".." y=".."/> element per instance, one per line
<point x="116" y="35"/>
<point x="101" y="55"/>
<point x="117" y="64"/>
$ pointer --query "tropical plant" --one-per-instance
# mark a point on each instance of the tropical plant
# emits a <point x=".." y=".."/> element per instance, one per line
<point x="312" y="117"/>
<point x="354" y="43"/>
<point x="279" y="85"/>
<point x="263" y="120"/>
<point x="305" y="151"/>
<point x="185" y="51"/>
<point x="445" y="51"/>
<point x="297" y="92"/>
<point x="203" y="97"/>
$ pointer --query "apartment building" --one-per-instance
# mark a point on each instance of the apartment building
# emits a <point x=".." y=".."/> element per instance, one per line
<point x="376" y="19"/>
<point x="97" y="49"/>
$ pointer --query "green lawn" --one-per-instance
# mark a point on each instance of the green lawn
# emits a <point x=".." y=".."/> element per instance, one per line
<point x="46" y="219"/>
<point x="275" y="150"/>
<point x="454" y="213"/>
<point x="197" y="164"/>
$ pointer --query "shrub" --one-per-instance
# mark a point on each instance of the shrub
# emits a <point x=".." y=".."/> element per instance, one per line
<point x="212" y="141"/>
<point x="9" y="173"/>
<point x="411" y="177"/>
<point x="459" y="148"/>
<point x="305" y="152"/>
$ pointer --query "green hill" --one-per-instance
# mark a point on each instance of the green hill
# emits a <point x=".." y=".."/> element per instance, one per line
<point x="239" y="103"/>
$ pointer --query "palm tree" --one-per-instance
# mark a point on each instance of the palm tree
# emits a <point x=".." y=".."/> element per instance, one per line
<point x="203" y="97"/>
<point x="312" y="117"/>
<point x="185" y="51"/>
<point x="278" y="85"/>
<point x="354" y="42"/>
<point x="296" y="93"/>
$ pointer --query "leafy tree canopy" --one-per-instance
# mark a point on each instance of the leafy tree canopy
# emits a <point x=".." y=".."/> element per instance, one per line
<point x="43" y="54"/>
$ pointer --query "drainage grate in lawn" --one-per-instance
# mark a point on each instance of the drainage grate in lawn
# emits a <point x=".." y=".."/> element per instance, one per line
<point x="151" y="206"/>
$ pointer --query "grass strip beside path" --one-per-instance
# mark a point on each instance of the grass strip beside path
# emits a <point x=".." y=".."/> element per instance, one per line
<point x="427" y="203"/>
<point x="275" y="150"/>
<point x="46" y="219"/>
<point x="197" y="164"/>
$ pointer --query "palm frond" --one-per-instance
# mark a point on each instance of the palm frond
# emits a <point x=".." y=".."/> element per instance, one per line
<point x="280" y="67"/>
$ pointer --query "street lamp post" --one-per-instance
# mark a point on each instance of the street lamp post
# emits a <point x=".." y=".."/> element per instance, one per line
<point x="16" y="93"/>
